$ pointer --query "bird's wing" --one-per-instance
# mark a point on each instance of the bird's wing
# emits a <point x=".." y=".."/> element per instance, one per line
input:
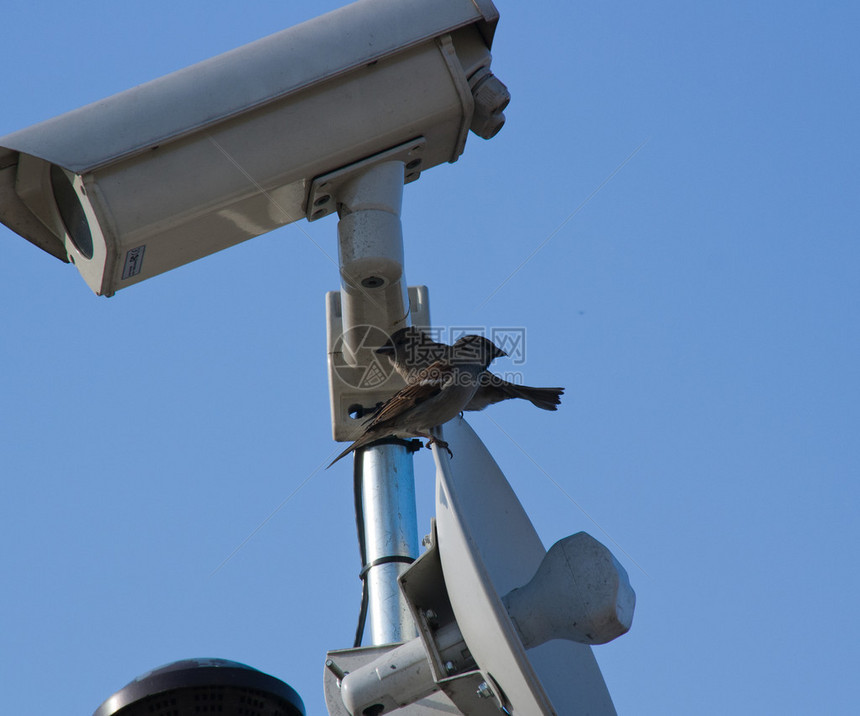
<point x="493" y="389"/>
<point x="427" y="384"/>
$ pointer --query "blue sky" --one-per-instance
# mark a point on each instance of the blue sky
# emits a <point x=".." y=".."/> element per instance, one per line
<point x="701" y="309"/>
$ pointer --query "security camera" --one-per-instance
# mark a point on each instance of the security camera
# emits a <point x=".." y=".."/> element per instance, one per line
<point x="228" y="149"/>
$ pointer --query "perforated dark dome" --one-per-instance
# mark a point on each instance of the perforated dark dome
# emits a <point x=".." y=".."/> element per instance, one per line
<point x="204" y="686"/>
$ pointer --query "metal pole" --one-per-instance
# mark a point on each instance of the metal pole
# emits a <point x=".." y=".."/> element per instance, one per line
<point x="373" y="292"/>
<point x="388" y="497"/>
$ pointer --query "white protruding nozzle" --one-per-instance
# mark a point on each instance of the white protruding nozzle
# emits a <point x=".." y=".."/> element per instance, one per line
<point x="580" y="592"/>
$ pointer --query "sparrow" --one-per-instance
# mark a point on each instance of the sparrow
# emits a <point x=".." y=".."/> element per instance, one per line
<point x="432" y="396"/>
<point x="411" y="349"/>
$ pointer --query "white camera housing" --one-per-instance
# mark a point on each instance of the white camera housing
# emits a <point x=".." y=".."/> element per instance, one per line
<point x="228" y="149"/>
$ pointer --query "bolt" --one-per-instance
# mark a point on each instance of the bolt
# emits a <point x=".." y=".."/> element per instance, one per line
<point x="430" y="615"/>
<point x="484" y="691"/>
<point x="335" y="669"/>
<point x="427" y="541"/>
<point x="372" y="281"/>
<point x="449" y="667"/>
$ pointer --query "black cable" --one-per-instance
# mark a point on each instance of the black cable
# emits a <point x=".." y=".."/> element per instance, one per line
<point x="358" y="476"/>
<point x="402" y="558"/>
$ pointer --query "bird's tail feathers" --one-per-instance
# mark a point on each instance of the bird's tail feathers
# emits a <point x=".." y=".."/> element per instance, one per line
<point x="361" y="442"/>
<point x="544" y="398"/>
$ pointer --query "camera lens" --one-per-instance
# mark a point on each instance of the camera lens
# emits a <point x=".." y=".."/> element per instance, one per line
<point x="71" y="212"/>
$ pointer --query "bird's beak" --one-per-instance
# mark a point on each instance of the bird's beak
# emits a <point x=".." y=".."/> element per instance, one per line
<point x="385" y="350"/>
<point x="500" y="353"/>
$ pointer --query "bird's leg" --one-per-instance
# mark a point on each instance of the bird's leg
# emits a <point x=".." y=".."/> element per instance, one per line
<point x="440" y="443"/>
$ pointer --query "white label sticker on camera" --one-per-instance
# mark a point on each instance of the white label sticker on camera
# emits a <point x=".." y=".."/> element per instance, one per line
<point x="133" y="262"/>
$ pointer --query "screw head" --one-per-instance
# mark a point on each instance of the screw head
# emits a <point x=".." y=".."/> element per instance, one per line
<point x="484" y="690"/>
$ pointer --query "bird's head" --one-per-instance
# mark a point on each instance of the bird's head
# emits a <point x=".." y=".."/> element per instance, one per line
<point x="476" y="349"/>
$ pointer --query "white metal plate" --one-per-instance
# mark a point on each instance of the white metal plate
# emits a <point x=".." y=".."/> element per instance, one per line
<point x="488" y="546"/>
<point x="345" y="389"/>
